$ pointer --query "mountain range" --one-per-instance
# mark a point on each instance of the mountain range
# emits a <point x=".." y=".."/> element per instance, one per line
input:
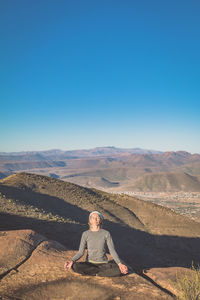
<point x="111" y="168"/>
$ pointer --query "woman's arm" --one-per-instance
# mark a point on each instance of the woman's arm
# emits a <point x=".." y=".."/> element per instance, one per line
<point x="123" y="268"/>
<point x="79" y="254"/>
<point x="82" y="247"/>
<point x="111" y="249"/>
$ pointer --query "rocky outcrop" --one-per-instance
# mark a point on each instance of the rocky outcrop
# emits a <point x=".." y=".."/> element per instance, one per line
<point x="16" y="247"/>
<point x="32" y="267"/>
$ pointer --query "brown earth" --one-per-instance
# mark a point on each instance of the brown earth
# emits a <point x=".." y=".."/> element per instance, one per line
<point x="36" y="272"/>
<point x="164" y="182"/>
<point x="154" y="241"/>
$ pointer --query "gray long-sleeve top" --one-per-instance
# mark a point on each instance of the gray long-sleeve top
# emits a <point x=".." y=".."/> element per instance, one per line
<point x="95" y="242"/>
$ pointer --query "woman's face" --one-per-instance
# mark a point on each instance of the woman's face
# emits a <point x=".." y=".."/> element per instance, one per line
<point x="95" y="220"/>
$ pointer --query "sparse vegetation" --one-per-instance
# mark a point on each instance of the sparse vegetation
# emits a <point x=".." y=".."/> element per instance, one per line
<point x="17" y="208"/>
<point x="48" y="199"/>
<point x="160" y="182"/>
<point x="189" y="285"/>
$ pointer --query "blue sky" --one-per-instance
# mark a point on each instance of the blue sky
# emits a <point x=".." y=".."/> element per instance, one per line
<point x="80" y="74"/>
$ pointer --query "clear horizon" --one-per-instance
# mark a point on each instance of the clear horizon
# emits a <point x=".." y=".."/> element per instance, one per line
<point x="43" y="150"/>
<point x="85" y="74"/>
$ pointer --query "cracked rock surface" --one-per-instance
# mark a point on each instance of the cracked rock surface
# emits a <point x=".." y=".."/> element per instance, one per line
<point x="16" y="246"/>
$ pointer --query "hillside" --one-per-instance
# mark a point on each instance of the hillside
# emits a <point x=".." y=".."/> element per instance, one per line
<point x="3" y="175"/>
<point x="40" y="199"/>
<point x="146" y="235"/>
<point x="165" y="182"/>
<point x="26" y="165"/>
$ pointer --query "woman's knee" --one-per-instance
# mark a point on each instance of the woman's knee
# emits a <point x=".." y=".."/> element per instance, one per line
<point x="110" y="269"/>
<point x="85" y="268"/>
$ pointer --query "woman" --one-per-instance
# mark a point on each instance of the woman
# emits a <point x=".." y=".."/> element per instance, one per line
<point x="95" y="240"/>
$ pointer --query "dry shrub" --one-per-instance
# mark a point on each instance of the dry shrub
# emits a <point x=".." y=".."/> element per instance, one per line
<point x="189" y="285"/>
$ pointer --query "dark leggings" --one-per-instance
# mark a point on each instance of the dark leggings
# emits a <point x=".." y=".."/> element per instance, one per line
<point x="109" y="269"/>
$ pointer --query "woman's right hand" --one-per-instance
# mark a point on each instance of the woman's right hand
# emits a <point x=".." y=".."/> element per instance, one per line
<point x="68" y="265"/>
<point x="123" y="268"/>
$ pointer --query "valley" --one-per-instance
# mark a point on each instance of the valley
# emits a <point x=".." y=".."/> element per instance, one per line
<point x="170" y="179"/>
<point x="186" y="204"/>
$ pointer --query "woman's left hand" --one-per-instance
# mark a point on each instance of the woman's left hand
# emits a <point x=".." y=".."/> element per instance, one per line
<point x="123" y="268"/>
<point x="68" y="265"/>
